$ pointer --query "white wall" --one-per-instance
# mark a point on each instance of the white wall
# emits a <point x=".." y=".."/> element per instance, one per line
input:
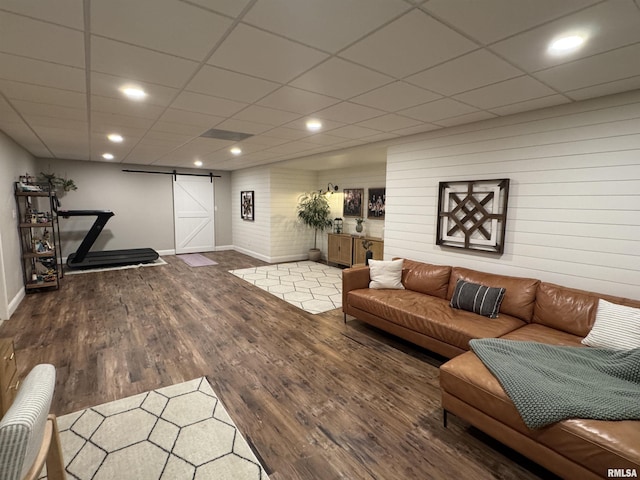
<point x="574" y="204"/>
<point x="14" y="161"/>
<point x="142" y="203"/>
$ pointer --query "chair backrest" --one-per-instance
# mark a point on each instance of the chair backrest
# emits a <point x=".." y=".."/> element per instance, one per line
<point x="22" y="427"/>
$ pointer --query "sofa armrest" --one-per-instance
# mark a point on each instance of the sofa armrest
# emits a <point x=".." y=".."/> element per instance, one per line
<point x="352" y="279"/>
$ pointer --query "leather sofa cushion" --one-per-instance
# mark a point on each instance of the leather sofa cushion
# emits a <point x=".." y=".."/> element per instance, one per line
<point x="569" y="309"/>
<point x="430" y="316"/>
<point x="595" y="444"/>
<point x="426" y="278"/>
<point x="519" y="297"/>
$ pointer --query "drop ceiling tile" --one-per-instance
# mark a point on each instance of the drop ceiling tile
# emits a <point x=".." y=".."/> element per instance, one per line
<point x="462" y="119"/>
<point x="504" y="93"/>
<point x="403" y="47"/>
<point x="37" y="72"/>
<point x="235" y="86"/>
<point x="606" y="67"/>
<point x="293" y="147"/>
<point x="109" y="86"/>
<point x="347" y="112"/>
<point x="144" y="153"/>
<point x="324" y="139"/>
<point x="288" y="133"/>
<point x="41" y="121"/>
<point x="109" y="122"/>
<point x="264" y="141"/>
<point x="535" y="104"/>
<point x="425" y="127"/>
<point x="269" y="116"/>
<point x="44" y="41"/>
<point x="438" y="110"/>
<point x="389" y="122"/>
<point x="195" y="102"/>
<point x="191" y="118"/>
<point x="244" y="126"/>
<point x="158" y="137"/>
<point x="607" y="26"/>
<point x="476" y="69"/>
<point x="9" y="114"/>
<point x="339" y="78"/>
<point x="125" y="107"/>
<point x="396" y="96"/>
<point x="179" y="128"/>
<point x="227" y="7"/>
<point x="28" y="109"/>
<point x="608" y="88"/>
<point x="25" y="136"/>
<point x="136" y="63"/>
<point x="39" y="94"/>
<point x="261" y="54"/>
<point x="492" y="20"/>
<point x="154" y="24"/>
<point x="354" y="132"/>
<point x="297" y="101"/>
<point x="63" y="12"/>
<point x="309" y="22"/>
<point x="99" y="143"/>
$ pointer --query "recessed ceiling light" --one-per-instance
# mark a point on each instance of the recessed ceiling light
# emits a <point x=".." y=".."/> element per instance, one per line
<point x="314" y="125"/>
<point x="566" y="44"/>
<point x="236" y="151"/>
<point x="133" y="92"/>
<point x="198" y="163"/>
<point x="115" y="138"/>
<point x="108" y="156"/>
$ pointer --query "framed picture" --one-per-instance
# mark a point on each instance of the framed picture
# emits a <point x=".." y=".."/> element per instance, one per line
<point x="246" y="205"/>
<point x="375" y="204"/>
<point x="473" y="214"/>
<point x="353" y="198"/>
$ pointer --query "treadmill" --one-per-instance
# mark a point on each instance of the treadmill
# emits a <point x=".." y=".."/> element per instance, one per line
<point x="84" y="259"/>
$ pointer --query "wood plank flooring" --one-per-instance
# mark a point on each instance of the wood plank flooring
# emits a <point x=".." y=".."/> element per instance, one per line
<point x="317" y="399"/>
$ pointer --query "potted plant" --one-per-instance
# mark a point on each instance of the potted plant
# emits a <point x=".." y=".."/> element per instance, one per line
<point x="359" y="222"/>
<point x="55" y="182"/>
<point x="313" y="211"/>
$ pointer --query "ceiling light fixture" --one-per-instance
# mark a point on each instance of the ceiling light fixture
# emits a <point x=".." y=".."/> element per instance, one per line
<point x="314" y="125"/>
<point x="133" y="92"/>
<point x="108" y="156"/>
<point x="236" y="151"/>
<point x="566" y="44"/>
<point x="115" y="138"/>
<point x="198" y="163"/>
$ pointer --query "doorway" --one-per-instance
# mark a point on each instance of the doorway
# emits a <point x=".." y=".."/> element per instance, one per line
<point x="193" y="208"/>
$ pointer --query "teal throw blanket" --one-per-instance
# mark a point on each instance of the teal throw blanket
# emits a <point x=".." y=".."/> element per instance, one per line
<point x="549" y="383"/>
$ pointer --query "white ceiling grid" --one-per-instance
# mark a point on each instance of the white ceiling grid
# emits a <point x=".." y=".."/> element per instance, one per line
<point x="371" y="70"/>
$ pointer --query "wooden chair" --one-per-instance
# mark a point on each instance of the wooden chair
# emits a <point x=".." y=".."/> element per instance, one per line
<point x="29" y="435"/>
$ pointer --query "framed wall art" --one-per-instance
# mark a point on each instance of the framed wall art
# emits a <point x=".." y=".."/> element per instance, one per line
<point x="375" y="204"/>
<point x="473" y="214"/>
<point x="246" y="205"/>
<point x="353" y="199"/>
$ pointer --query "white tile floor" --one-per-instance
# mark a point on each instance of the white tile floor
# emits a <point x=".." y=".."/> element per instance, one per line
<point x="311" y="286"/>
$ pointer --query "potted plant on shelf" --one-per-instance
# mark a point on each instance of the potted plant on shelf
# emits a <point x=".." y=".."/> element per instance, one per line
<point x="313" y="211"/>
<point x="359" y="222"/>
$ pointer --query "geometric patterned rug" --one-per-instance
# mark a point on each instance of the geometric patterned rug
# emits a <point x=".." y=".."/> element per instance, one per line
<point x="173" y="433"/>
<point x="311" y="286"/>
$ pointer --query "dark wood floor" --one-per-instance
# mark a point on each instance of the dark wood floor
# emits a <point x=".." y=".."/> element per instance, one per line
<point x="317" y="399"/>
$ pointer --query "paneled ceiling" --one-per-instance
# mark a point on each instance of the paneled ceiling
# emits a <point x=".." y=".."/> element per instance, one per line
<point x="370" y="70"/>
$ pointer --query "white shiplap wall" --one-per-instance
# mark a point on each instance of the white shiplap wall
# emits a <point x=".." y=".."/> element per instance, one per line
<point x="290" y="240"/>
<point x="252" y="238"/>
<point x="574" y="203"/>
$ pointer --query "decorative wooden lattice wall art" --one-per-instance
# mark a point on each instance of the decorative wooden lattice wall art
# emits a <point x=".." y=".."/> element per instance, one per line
<point x="473" y="214"/>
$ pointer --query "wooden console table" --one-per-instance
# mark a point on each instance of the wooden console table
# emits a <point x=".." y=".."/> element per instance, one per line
<point x="345" y="249"/>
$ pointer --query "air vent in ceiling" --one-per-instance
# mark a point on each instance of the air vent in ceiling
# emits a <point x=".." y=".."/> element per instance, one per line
<point x="226" y="135"/>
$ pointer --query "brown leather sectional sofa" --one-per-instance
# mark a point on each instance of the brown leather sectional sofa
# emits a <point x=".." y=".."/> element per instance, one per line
<point x="531" y="311"/>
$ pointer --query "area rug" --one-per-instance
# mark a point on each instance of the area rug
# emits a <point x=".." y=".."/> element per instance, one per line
<point x="311" y="286"/>
<point x="173" y="433"/>
<point x="196" y="260"/>
<point x="159" y="261"/>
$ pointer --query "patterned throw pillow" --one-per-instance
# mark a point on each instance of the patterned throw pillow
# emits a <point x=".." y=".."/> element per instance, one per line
<point x="476" y="298"/>
<point x="616" y="327"/>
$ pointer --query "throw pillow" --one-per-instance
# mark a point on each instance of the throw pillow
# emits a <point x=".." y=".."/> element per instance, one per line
<point x="386" y="274"/>
<point x="476" y="298"/>
<point x="616" y="327"/>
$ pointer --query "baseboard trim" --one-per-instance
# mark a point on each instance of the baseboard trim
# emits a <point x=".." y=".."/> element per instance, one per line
<point x="15" y="302"/>
<point x="162" y="253"/>
<point x="223" y="248"/>
<point x="253" y="254"/>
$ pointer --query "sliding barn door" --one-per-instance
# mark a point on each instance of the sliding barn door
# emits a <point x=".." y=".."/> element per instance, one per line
<point x="193" y="210"/>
